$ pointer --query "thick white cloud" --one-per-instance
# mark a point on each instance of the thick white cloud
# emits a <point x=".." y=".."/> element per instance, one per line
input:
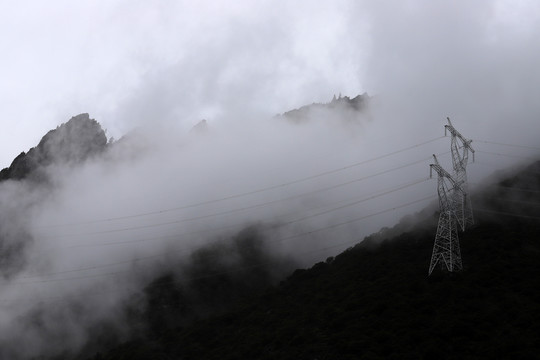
<point x="133" y="63"/>
<point x="474" y="61"/>
<point x="129" y="62"/>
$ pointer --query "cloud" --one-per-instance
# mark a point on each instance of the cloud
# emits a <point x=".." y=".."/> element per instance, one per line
<point x="188" y="60"/>
<point x="156" y="196"/>
<point x="467" y="61"/>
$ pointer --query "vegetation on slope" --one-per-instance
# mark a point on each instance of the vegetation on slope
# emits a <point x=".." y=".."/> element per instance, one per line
<point x="375" y="301"/>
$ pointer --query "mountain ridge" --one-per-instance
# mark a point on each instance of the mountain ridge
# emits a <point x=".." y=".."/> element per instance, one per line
<point x="344" y="104"/>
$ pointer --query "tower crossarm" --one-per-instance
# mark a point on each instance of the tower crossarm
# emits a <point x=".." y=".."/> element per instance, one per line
<point x="466" y="144"/>
<point x="441" y="172"/>
<point x="459" y="148"/>
<point x="447" y="187"/>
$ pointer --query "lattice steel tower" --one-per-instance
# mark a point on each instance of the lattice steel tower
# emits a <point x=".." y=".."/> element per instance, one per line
<point x="460" y="148"/>
<point x="446" y="249"/>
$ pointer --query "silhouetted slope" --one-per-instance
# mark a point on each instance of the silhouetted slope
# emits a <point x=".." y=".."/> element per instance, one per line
<point x="375" y="301"/>
<point x="212" y="281"/>
<point x="215" y="277"/>
<point x="72" y="142"/>
<point x="346" y="107"/>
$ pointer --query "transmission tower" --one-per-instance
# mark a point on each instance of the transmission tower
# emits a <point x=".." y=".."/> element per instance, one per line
<point x="460" y="148"/>
<point x="446" y="249"/>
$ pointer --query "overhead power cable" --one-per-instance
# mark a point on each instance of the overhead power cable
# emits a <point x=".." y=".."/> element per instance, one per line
<point x="357" y="201"/>
<point x="503" y="144"/>
<point x="139" y="227"/>
<point x="508" y="155"/>
<point x="219" y="229"/>
<point x="260" y="264"/>
<point x="229" y="271"/>
<point x="187" y="249"/>
<point x="508" y="214"/>
<point x="234" y="196"/>
<point x="510" y="188"/>
<point x="359" y="218"/>
<point x="280" y="240"/>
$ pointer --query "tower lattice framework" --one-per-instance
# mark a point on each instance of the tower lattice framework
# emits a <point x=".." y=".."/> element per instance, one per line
<point x="446" y="250"/>
<point x="460" y="148"/>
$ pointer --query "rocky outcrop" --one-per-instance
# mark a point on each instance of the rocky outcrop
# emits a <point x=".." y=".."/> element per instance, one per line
<point x="70" y="143"/>
<point x="340" y="105"/>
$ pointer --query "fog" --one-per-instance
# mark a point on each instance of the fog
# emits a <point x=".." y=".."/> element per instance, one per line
<point x="79" y="246"/>
<point x="96" y="233"/>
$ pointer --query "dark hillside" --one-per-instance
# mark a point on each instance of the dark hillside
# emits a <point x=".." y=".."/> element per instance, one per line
<point x="375" y="301"/>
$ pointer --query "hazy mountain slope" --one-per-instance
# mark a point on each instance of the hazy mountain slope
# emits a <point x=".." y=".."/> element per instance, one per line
<point x="347" y="107"/>
<point x="375" y="300"/>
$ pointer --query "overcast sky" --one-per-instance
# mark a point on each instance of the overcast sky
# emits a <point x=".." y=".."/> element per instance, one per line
<point x="133" y="63"/>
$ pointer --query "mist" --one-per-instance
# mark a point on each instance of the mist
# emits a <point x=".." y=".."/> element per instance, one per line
<point x="153" y="198"/>
<point x="79" y="246"/>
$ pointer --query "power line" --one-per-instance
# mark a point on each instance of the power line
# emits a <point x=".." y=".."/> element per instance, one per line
<point x="280" y="225"/>
<point x="504" y="144"/>
<point x="275" y="241"/>
<point x="255" y="265"/>
<point x="139" y="227"/>
<point x="507" y="155"/>
<point x="360" y="218"/>
<point x="280" y="240"/>
<point x="509" y="188"/>
<point x="358" y="201"/>
<point x="228" y="226"/>
<point x="509" y="214"/>
<point x="249" y="192"/>
<point x="261" y="264"/>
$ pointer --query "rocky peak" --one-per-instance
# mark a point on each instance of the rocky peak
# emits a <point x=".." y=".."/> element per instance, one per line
<point x="200" y="127"/>
<point x="343" y="104"/>
<point x="71" y="142"/>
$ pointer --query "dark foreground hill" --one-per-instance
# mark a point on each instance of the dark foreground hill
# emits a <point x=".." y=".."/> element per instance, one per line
<point x="375" y="300"/>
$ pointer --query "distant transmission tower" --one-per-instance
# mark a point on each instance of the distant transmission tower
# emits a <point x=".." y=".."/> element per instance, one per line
<point x="446" y="249"/>
<point x="460" y="148"/>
